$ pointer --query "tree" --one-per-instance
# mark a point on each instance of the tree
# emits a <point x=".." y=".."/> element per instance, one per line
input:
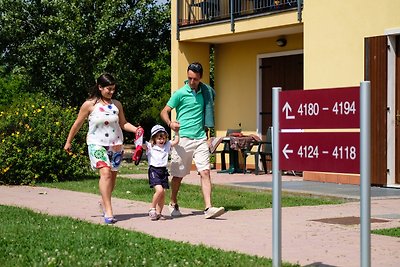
<point x="9" y="88"/>
<point x="60" y="47"/>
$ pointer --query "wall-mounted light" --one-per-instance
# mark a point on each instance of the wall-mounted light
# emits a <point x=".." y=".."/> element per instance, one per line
<point x="281" y="42"/>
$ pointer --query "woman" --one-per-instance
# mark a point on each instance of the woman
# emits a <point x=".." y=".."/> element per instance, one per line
<point x="105" y="138"/>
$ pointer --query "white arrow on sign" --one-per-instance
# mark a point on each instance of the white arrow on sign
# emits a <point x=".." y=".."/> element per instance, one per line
<point x="287" y="108"/>
<point x="286" y="151"/>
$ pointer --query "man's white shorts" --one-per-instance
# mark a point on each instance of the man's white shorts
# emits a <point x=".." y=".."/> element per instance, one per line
<point x="185" y="152"/>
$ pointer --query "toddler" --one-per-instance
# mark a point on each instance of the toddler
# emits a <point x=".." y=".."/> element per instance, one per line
<point x="157" y="151"/>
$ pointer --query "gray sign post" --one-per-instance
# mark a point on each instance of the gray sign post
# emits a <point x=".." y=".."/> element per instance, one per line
<point x="365" y="173"/>
<point x="276" y="183"/>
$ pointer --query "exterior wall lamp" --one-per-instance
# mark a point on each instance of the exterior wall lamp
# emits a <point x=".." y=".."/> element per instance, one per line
<point x="281" y="42"/>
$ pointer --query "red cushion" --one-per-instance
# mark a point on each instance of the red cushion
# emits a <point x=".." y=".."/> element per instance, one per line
<point x="236" y="134"/>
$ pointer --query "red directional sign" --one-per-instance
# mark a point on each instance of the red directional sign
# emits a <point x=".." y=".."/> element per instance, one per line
<point x="320" y="109"/>
<point x="326" y="152"/>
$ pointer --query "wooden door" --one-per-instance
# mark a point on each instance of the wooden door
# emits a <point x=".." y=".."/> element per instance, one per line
<point x="285" y="72"/>
<point x="376" y="72"/>
<point x="397" y="120"/>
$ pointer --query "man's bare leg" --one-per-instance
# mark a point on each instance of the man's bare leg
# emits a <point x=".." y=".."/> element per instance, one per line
<point x="206" y="187"/>
<point x="175" y="185"/>
<point x="210" y="212"/>
<point x="173" y="206"/>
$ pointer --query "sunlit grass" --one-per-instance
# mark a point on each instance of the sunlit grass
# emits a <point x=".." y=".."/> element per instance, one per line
<point x="130" y="168"/>
<point x="33" y="239"/>
<point x="389" y="232"/>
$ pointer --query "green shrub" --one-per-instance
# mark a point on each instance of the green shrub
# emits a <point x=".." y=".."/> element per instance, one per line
<point x="33" y="131"/>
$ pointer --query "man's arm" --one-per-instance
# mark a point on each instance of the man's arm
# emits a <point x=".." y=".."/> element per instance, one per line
<point x="174" y="125"/>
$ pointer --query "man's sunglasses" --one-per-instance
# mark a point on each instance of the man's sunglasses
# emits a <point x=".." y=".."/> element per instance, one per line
<point x="195" y="68"/>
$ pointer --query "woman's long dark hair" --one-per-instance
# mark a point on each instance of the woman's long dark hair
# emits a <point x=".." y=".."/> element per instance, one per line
<point x="104" y="80"/>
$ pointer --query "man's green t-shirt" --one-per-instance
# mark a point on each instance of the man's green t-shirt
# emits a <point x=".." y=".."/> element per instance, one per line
<point x="189" y="112"/>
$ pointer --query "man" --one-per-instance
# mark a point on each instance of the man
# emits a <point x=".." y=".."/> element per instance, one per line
<point x="191" y="102"/>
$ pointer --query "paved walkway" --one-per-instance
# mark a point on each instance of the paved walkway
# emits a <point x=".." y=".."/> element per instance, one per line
<point x="305" y="238"/>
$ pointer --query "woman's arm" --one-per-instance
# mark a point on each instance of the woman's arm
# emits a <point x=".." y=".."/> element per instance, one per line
<point x="124" y="124"/>
<point x="82" y="116"/>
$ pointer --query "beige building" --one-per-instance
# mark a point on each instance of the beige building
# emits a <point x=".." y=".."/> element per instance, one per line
<point x="311" y="44"/>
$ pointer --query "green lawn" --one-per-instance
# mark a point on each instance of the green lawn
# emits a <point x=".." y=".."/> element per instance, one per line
<point x="33" y="239"/>
<point x="130" y="168"/>
<point x="389" y="232"/>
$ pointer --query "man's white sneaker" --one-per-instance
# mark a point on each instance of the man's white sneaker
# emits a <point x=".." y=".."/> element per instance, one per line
<point x="174" y="210"/>
<point x="213" y="212"/>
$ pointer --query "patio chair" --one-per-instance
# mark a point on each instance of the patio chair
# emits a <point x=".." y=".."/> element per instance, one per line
<point x="226" y="148"/>
<point x="263" y="153"/>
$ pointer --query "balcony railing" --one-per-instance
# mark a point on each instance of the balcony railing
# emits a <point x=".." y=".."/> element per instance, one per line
<point x="197" y="12"/>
